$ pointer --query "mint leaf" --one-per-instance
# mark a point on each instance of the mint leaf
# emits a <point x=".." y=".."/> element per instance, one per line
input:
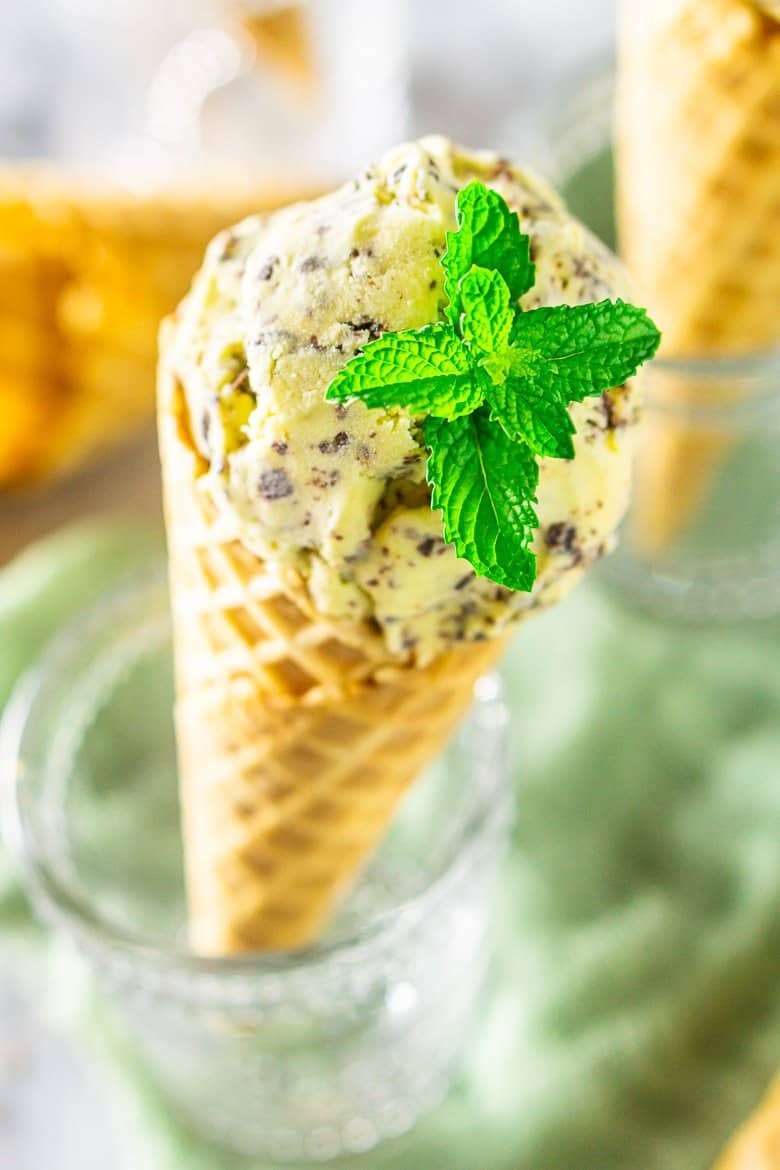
<point x="424" y="371"/>
<point x="488" y="236"/>
<point x="487" y="311"/>
<point x="526" y="413"/>
<point x="579" y="350"/>
<point x="485" y="485"/>
<point x="494" y="384"/>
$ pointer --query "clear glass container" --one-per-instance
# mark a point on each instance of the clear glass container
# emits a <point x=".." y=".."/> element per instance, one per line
<point x="306" y="1056"/>
<point x="702" y="540"/>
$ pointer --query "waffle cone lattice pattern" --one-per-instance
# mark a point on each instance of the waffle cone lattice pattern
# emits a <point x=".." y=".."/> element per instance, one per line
<point x="297" y="735"/>
<point x="698" y="156"/>
<point x="698" y="168"/>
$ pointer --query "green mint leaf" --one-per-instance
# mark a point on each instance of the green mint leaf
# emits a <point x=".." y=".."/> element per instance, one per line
<point x="424" y="371"/>
<point x="580" y="349"/>
<point x="488" y="236"/>
<point x="540" y="419"/>
<point x="485" y="485"/>
<point x="493" y="385"/>
<point x="487" y="310"/>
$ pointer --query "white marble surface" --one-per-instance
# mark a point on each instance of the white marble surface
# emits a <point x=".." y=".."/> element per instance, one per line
<point x="475" y="67"/>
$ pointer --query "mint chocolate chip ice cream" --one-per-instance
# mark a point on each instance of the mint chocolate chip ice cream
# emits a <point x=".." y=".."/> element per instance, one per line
<point x="337" y="491"/>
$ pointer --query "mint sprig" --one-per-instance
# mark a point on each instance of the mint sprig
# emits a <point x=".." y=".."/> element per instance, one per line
<point x="423" y="371"/>
<point x="488" y="236"/>
<point x="493" y="384"/>
<point x="485" y="485"/>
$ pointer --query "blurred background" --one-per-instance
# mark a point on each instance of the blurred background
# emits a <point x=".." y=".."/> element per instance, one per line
<point x="165" y="121"/>
<point x="639" y="1017"/>
<point x="77" y="72"/>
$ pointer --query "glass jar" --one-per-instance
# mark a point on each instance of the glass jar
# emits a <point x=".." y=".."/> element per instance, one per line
<point x="702" y="540"/>
<point x="311" y="1055"/>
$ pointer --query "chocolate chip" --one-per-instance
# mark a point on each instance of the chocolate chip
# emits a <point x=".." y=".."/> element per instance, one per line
<point x="267" y="271"/>
<point x="342" y="410"/>
<point x="584" y="268"/>
<point x="205" y="425"/>
<point x="337" y="443"/>
<point x="312" y="263"/>
<point x="563" y="537"/>
<point x="274" y="484"/>
<point x="612" y="419"/>
<point x="426" y="547"/>
<point x="279" y="447"/>
<point x="324" y="479"/>
<point x="374" y="329"/>
<point x="464" y="581"/>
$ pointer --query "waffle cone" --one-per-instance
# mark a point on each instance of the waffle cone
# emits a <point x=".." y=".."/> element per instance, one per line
<point x="673" y="475"/>
<point x="698" y="165"/>
<point x="757" y="1145"/>
<point x="297" y="735"/>
<point x="87" y="271"/>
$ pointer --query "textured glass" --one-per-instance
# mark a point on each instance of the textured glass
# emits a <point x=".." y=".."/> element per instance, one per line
<point x="298" y="1056"/>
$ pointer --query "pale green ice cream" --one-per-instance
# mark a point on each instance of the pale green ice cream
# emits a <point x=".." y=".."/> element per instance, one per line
<point x="338" y="492"/>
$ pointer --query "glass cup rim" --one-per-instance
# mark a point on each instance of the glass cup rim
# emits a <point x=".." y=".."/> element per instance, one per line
<point x="751" y="364"/>
<point x="758" y="372"/>
<point x="69" y="908"/>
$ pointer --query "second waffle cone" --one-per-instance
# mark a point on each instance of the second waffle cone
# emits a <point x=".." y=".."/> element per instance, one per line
<point x="297" y="735"/>
<point x="698" y="162"/>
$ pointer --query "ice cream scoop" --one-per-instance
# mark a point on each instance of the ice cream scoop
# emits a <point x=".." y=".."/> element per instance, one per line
<point x="337" y="492"/>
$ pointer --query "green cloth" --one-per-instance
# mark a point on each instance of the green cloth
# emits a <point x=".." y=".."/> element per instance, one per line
<point x="633" y="1015"/>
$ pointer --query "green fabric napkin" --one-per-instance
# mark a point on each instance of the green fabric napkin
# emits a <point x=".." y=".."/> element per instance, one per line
<point x="633" y="1014"/>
